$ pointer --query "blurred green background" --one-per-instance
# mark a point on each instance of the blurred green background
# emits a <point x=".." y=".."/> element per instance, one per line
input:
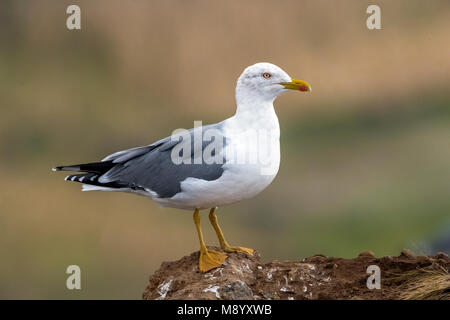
<point x="365" y="156"/>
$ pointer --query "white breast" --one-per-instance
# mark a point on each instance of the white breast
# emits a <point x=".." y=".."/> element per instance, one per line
<point x="252" y="155"/>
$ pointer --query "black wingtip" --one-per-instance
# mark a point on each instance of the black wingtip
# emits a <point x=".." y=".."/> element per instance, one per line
<point x="93" y="167"/>
<point x="67" y="168"/>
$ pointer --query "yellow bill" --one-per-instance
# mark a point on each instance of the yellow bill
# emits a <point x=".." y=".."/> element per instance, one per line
<point x="297" y="85"/>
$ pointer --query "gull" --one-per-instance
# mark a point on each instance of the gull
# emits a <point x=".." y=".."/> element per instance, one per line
<point x="207" y="166"/>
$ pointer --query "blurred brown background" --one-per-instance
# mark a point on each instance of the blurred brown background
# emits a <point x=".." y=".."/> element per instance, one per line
<point x="365" y="156"/>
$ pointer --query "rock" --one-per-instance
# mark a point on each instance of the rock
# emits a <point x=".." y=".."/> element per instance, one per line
<point x="271" y="295"/>
<point x="408" y="254"/>
<point x="246" y="277"/>
<point x="367" y="253"/>
<point x="237" y="290"/>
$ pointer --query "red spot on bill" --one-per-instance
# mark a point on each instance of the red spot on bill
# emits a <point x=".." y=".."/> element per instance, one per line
<point x="303" y="88"/>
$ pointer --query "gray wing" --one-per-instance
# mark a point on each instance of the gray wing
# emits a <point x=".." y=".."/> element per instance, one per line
<point x="152" y="167"/>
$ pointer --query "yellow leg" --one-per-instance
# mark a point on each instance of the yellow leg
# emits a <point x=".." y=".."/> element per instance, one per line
<point x="209" y="259"/>
<point x="223" y="242"/>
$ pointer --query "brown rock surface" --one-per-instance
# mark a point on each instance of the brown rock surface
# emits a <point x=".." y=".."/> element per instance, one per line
<point x="316" y="277"/>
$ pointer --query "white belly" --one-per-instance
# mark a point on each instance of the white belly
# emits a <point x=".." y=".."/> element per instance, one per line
<point x="249" y="168"/>
<point x="237" y="183"/>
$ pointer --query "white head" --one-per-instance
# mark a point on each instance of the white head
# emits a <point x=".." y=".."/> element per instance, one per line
<point x="264" y="82"/>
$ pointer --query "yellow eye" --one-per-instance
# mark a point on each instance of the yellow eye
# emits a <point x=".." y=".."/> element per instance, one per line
<point x="267" y="75"/>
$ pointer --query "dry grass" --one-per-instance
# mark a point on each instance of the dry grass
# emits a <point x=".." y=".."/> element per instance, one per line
<point x="425" y="284"/>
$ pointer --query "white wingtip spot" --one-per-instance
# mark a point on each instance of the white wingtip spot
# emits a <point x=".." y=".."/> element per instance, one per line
<point x="67" y="178"/>
<point x="54" y="169"/>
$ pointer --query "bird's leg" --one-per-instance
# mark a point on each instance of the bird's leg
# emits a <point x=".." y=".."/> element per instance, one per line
<point x="223" y="242"/>
<point x="209" y="259"/>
